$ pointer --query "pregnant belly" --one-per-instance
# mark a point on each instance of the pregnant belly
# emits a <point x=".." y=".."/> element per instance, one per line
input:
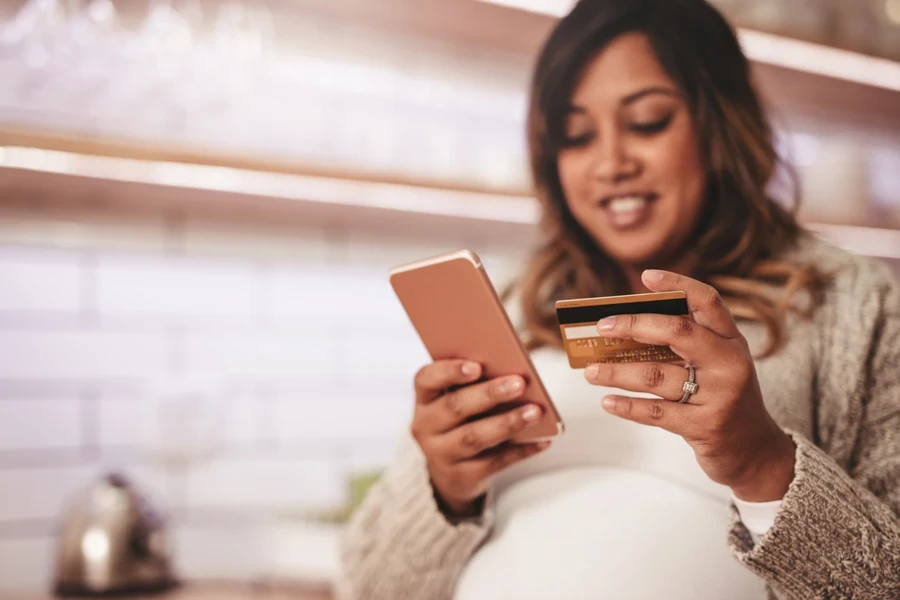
<point x="606" y="533"/>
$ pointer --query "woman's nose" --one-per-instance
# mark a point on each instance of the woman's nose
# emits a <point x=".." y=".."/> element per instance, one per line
<point x="612" y="161"/>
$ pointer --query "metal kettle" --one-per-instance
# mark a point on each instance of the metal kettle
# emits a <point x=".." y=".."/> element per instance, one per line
<point x="112" y="541"/>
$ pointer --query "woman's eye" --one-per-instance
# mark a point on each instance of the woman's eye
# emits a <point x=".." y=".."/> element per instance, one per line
<point x="573" y="141"/>
<point x="651" y="127"/>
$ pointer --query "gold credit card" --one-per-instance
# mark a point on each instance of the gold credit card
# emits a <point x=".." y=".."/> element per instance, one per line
<point x="584" y="345"/>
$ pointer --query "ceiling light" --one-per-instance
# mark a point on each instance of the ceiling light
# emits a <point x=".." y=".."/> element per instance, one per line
<point x="778" y="50"/>
<point x="556" y="8"/>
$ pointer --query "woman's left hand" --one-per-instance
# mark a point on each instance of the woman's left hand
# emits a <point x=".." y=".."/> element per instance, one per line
<point x="735" y="440"/>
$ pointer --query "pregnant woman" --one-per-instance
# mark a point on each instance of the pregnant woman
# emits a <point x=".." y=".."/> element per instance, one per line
<point x="779" y="476"/>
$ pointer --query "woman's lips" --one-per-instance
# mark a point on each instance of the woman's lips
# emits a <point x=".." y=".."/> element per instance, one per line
<point x="628" y="211"/>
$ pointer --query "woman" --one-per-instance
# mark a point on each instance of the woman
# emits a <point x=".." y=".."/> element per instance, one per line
<point x="650" y="150"/>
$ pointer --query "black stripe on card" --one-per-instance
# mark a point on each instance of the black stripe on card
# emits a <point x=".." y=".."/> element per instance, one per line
<point x="584" y="314"/>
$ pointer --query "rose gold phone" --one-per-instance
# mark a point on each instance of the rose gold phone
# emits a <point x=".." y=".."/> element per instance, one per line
<point x="457" y="313"/>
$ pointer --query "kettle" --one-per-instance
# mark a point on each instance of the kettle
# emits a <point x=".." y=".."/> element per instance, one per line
<point x="112" y="541"/>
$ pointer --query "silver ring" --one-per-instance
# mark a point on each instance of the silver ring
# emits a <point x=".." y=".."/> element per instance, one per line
<point x="689" y="388"/>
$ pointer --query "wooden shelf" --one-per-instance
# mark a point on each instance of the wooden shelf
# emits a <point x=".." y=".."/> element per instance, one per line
<point x="55" y="172"/>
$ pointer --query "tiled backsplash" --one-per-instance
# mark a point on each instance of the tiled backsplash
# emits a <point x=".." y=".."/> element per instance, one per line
<point x="272" y="349"/>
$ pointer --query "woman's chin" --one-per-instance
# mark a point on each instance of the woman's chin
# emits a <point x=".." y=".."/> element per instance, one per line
<point x="639" y="257"/>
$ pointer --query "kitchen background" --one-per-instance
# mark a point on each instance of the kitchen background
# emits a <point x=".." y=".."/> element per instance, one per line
<point x="199" y="203"/>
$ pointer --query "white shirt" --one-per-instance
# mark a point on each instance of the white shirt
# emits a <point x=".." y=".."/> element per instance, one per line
<point x="613" y="509"/>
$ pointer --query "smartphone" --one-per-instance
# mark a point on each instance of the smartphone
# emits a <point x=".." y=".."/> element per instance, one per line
<point x="458" y="315"/>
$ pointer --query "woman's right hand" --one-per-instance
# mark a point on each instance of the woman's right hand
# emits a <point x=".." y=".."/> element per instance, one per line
<point x="463" y="447"/>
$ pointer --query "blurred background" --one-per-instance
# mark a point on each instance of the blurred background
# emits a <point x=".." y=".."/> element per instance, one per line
<point x="199" y="203"/>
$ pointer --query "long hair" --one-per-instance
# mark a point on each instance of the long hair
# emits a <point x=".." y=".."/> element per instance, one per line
<point x="743" y="231"/>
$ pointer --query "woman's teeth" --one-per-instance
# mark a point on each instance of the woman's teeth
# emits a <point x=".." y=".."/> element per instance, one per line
<point x="627" y="204"/>
<point x="626" y="212"/>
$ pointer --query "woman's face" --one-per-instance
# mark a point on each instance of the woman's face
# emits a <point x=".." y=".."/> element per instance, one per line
<point x="631" y="168"/>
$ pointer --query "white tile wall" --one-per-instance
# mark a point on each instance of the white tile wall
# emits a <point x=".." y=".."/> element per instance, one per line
<point x="39" y="493"/>
<point x="36" y="424"/>
<point x="82" y="354"/>
<point x="274" y="347"/>
<point x="253" y="354"/>
<point x="239" y="237"/>
<point x="265" y="485"/>
<point x="126" y="421"/>
<point x="27" y="565"/>
<point x="35" y="281"/>
<point x="347" y="293"/>
<point x="365" y="416"/>
<point x="379" y="251"/>
<point x="47" y="223"/>
<point x="176" y="287"/>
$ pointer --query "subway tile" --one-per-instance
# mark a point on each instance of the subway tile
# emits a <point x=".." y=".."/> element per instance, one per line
<point x="49" y="493"/>
<point x="77" y="226"/>
<point x="38" y="424"/>
<point x="156" y="482"/>
<point x="386" y="249"/>
<point x="260" y="354"/>
<point x="335" y="419"/>
<point x="271" y="485"/>
<point x="255" y="237"/>
<point x="27" y="565"/>
<point x="40" y="281"/>
<point x="176" y="287"/>
<point x="34" y="494"/>
<point x="169" y="416"/>
<point x="387" y="352"/>
<point x="126" y="422"/>
<point x="372" y="455"/>
<point x="242" y="421"/>
<point x="350" y="294"/>
<point x="81" y="355"/>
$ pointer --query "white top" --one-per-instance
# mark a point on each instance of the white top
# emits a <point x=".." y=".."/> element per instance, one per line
<point x="613" y="509"/>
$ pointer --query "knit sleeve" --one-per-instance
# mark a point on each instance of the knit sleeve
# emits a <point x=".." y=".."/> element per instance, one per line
<point x="837" y="534"/>
<point x="398" y="544"/>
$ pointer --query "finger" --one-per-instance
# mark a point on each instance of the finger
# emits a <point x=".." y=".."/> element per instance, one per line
<point x="671" y="416"/>
<point x="706" y="305"/>
<point x="663" y="380"/>
<point x="433" y="380"/>
<point x="458" y="406"/>
<point x="471" y="439"/>
<point x="694" y="343"/>
<point x="495" y="460"/>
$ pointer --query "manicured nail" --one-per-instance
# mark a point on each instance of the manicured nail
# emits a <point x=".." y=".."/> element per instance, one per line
<point x="531" y="414"/>
<point x="653" y="275"/>
<point x="608" y="403"/>
<point x="606" y="324"/>
<point x="511" y="385"/>
<point x="469" y="369"/>
<point x="591" y="371"/>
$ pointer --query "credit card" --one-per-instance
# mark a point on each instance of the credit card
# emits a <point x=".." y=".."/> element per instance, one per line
<point x="584" y="345"/>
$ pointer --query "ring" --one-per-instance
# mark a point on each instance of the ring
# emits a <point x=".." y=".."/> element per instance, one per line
<point x="689" y="388"/>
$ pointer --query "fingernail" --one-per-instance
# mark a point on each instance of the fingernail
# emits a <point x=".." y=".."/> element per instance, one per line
<point x="531" y="414"/>
<point x="543" y="446"/>
<point x="608" y="403"/>
<point x="606" y="324"/>
<point x="512" y="385"/>
<point x="591" y="371"/>
<point x="469" y="369"/>
<point x="653" y="275"/>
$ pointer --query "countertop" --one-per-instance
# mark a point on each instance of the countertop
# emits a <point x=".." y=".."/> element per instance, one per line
<point x="221" y="591"/>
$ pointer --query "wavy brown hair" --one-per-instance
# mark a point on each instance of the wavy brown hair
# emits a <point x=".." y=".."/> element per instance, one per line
<point x="743" y="232"/>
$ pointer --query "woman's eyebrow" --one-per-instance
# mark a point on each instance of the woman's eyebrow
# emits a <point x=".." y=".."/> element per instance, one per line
<point x="634" y="97"/>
